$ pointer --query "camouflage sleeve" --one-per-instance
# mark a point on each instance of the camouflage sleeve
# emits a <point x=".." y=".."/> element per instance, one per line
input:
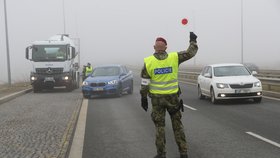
<point x="189" y="53"/>
<point x="144" y="88"/>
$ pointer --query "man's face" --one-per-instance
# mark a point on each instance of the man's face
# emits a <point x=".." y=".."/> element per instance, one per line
<point x="160" y="47"/>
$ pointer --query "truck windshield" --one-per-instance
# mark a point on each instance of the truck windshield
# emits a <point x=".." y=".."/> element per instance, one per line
<point x="49" y="53"/>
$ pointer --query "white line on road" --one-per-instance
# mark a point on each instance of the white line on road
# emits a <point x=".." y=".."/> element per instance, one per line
<point x="78" y="140"/>
<point x="190" y="107"/>
<point x="264" y="139"/>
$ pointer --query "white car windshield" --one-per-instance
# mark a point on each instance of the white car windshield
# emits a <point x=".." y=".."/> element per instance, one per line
<point x="230" y="71"/>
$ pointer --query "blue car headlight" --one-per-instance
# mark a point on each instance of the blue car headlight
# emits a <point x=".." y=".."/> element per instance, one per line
<point x="113" y="82"/>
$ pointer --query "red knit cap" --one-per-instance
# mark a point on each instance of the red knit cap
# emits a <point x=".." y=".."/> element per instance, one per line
<point x="162" y="40"/>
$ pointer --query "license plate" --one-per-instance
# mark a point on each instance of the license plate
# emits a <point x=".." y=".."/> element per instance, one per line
<point x="98" y="89"/>
<point x="242" y="91"/>
<point x="49" y="79"/>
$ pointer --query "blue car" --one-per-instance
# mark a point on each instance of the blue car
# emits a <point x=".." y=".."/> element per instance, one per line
<point x="108" y="80"/>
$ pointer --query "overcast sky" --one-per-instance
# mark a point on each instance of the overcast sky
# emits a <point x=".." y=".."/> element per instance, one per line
<point x="124" y="31"/>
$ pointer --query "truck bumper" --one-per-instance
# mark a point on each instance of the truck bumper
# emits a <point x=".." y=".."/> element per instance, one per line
<point x="56" y="80"/>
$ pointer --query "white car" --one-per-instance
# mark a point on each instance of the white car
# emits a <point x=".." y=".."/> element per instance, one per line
<point x="228" y="81"/>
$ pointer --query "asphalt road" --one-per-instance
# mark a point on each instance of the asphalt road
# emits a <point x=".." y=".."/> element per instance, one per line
<point x="118" y="127"/>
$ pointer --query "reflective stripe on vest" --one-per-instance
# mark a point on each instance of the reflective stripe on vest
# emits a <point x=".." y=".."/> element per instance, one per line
<point x="88" y="70"/>
<point x="163" y="73"/>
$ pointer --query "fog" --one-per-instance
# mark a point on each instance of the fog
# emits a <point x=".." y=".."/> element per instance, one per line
<point x="124" y="31"/>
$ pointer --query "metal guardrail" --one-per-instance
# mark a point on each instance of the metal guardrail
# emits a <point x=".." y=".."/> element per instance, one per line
<point x="270" y="86"/>
<point x="270" y="83"/>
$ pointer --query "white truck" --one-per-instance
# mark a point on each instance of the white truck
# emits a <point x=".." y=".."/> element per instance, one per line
<point x="55" y="63"/>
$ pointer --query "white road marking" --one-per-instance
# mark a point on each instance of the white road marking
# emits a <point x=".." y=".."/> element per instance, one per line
<point x="78" y="140"/>
<point x="264" y="139"/>
<point x="189" y="107"/>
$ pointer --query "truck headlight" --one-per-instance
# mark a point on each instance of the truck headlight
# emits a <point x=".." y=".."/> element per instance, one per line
<point x="65" y="77"/>
<point x="221" y="85"/>
<point x="257" y="84"/>
<point x="85" y="83"/>
<point x="33" y="78"/>
<point x="113" y="82"/>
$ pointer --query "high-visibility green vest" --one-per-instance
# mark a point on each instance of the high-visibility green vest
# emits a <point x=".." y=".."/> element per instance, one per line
<point x="88" y="70"/>
<point x="163" y="73"/>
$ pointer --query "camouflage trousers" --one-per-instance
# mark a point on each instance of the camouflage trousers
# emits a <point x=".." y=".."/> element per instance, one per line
<point x="160" y="105"/>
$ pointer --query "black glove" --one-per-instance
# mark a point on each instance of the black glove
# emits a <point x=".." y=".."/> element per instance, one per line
<point x="181" y="105"/>
<point x="144" y="103"/>
<point x="192" y="37"/>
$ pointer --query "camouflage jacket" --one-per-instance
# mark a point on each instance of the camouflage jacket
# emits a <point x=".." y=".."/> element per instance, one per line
<point x="182" y="57"/>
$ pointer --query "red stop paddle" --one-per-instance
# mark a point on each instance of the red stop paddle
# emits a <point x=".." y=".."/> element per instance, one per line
<point x="184" y="21"/>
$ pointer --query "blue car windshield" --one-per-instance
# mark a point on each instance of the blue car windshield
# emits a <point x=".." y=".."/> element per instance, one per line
<point x="106" y="71"/>
<point x="230" y="71"/>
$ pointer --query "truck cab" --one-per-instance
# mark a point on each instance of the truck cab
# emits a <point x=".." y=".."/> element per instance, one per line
<point x="54" y="63"/>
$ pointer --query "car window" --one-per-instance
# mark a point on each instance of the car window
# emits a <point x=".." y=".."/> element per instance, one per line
<point x="231" y="71"/>
<point x="209" y="70"/>
<point x="106" y="71"/>
<point x="124" y="69"/>
<point x="204" y="70"/>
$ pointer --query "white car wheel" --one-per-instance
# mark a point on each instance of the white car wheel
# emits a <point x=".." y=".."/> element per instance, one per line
<point x="257" y="100"/>
<point x="213" y="98"/>
<point x="200" y="95"/>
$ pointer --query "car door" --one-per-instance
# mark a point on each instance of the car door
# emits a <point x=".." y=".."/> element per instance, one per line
<point x="201" y="79"/>
<point x="208" y="80"/>
<point x="124" y="77"/>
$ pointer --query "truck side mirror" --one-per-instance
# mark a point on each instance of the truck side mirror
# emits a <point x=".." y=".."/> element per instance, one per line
<point x="27" y="52"/>
<point x="73" y="51"/>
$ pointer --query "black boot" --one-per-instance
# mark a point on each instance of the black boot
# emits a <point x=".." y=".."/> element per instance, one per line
<point x="184" y="156"/>
<point x="160" y="156"/>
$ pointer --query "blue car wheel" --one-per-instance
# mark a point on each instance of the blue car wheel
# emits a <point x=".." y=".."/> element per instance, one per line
<point x="119" y="91"/>
<point x="130" y="91"/>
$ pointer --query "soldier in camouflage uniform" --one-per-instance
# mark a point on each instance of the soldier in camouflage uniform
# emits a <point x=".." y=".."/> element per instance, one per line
<point x="163" y="102"/>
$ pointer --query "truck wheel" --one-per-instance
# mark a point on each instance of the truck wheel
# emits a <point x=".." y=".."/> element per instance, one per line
<point x="69" y="87"/>
<point x="36" y="89"/>
<point x="77" y="84"/>
<point x="130" y="91"/>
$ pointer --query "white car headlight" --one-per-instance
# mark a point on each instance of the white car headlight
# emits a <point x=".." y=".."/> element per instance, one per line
<point x="113" y="82"/>
<point x="221" y="85"/>
<point x="85" y="83"/>
<point x="257" y="84"/>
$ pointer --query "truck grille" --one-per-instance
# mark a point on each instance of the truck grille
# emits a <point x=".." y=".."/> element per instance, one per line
<point x="236" y="86"/>
<point x="49" y="71"/>
<point x="97" y="84"/>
